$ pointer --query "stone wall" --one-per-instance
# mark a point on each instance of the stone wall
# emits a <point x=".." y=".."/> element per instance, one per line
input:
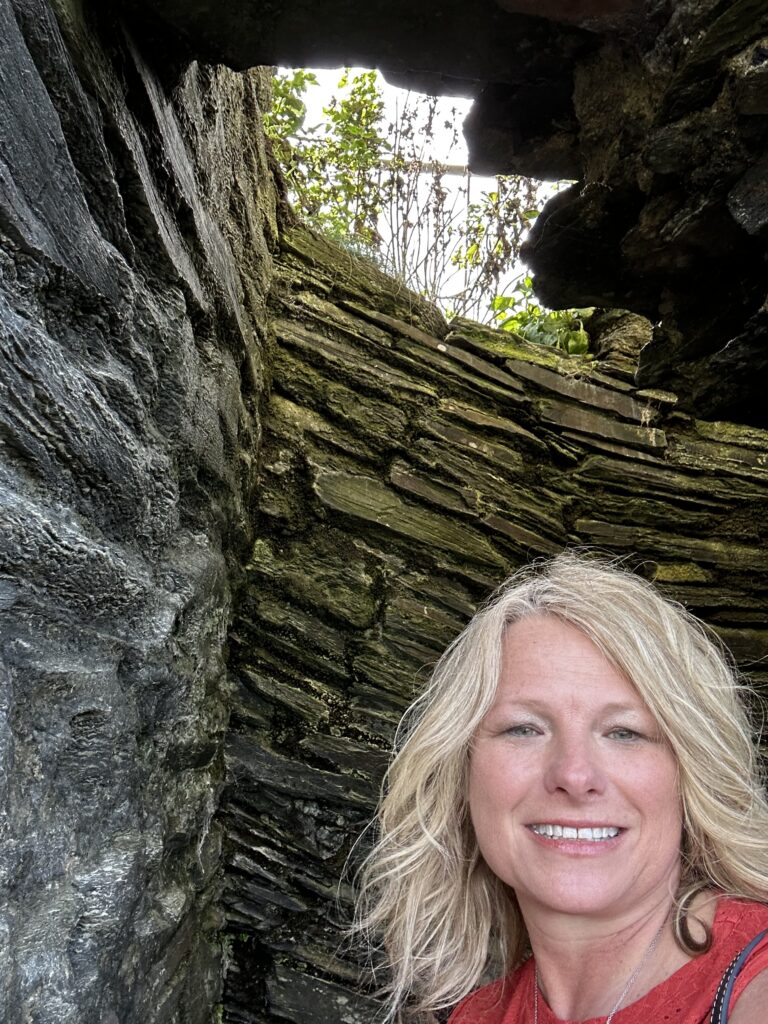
<point x="406" y="470"/>
<point x="136" y="218"/>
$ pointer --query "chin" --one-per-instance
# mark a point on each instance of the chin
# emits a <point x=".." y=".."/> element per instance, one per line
<point x="590" y="900"/>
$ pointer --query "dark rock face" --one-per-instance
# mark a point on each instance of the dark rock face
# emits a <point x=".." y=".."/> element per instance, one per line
<point x="460" y="46"/>
<point x="659" y="110"/>
<point x="669" y="217"/>
<point x="406" y="469"/>
<point x="597" y="13"/>
<point x="133" y="269"/>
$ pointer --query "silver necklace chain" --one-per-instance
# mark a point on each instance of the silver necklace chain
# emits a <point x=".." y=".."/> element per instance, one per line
<point x="624" y="992"/>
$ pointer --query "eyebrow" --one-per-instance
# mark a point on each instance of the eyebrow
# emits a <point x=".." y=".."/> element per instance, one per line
<point x="621" y="709"/>
<point x="614" y="708"/>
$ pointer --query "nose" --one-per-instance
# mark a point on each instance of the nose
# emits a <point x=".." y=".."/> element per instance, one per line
<point x="574" y="767"/>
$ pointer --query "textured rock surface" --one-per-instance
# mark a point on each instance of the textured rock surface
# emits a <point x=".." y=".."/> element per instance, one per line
<point x="133" y="265"/>
<point x="669" y="217"/>
<point x="405" y="470"/>
<point x="658" y="109"/>
<point x="456" y="46"/>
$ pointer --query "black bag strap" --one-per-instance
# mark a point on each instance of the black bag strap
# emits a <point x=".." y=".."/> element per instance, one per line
<point x="725" y="988"/>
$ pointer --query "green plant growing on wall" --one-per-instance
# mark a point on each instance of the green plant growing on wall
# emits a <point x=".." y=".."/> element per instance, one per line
<point x="494" y="229"/>
<point x="561" y="328"/>
<point x="375" y="188"/>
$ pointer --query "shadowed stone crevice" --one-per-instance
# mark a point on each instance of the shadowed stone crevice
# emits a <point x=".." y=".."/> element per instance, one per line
<point x="434" y="42"/>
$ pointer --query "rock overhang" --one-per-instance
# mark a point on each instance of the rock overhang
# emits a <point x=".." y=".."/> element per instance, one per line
<point x="657" y="110"/>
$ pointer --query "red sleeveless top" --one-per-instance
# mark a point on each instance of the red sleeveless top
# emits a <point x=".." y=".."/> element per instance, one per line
<point x="686" y="997"/>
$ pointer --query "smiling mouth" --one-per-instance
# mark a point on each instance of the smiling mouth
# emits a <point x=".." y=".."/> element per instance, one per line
<point x="596" y="834"/>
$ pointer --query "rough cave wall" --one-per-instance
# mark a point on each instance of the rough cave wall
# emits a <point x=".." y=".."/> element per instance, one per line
<point x="406" y="470"/>
<point x="135" y="224"/>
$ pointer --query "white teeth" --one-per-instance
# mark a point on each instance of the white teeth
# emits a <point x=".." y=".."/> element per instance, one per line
<point x="590" y="835"/>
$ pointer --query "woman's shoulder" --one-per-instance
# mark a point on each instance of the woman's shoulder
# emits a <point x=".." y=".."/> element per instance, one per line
<point x="739" y="918"/>
<point x="747" y="921"/>
<point x="736" y="923"/>
<point x="687" y="995"/>
<point x="489" y="1004"/>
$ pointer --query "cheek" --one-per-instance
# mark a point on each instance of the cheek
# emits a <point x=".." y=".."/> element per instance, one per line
<point x="495" y="785"/>
<point x="495" y="791"/>
<point x="489" y="775"/>
<point x="661" y="793"/>
<point x="484" y="815"/>
<point x="482" y="787"/>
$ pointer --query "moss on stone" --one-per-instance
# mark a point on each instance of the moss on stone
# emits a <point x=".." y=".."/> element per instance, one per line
<point x="681" y="572"/>
<point x="505" y="344"/>
<point x="733" y="433"/>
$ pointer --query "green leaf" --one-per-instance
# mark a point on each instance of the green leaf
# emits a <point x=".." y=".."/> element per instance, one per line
<point x="578" y="342"/>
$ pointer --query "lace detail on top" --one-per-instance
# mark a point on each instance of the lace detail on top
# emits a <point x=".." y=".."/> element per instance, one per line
<point x="686" y="996"/>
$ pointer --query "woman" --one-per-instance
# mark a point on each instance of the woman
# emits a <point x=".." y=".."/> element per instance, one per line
<point x="575" y="807"/>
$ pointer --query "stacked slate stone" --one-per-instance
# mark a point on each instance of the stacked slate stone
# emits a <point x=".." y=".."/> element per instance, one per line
<point x="406" y="468"/>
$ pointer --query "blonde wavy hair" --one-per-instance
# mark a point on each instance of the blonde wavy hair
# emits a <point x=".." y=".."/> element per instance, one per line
<point x="427" y="900"/>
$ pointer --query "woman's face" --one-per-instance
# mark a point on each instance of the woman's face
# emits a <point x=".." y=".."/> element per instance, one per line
<point x="572" y="790"/>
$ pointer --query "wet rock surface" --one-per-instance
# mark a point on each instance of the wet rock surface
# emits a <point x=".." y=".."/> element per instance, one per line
<point x="207" y="640"/>
<point x="658" y="111"/>
<point x="133" y="258"/>
<point x="405" y="471"/>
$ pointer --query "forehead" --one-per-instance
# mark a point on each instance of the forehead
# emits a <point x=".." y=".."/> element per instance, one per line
<point x="543" y="654"/>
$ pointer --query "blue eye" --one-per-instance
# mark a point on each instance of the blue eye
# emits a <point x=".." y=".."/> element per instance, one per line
<point x="626" y="735"/>
<point x="522" y="730"/>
